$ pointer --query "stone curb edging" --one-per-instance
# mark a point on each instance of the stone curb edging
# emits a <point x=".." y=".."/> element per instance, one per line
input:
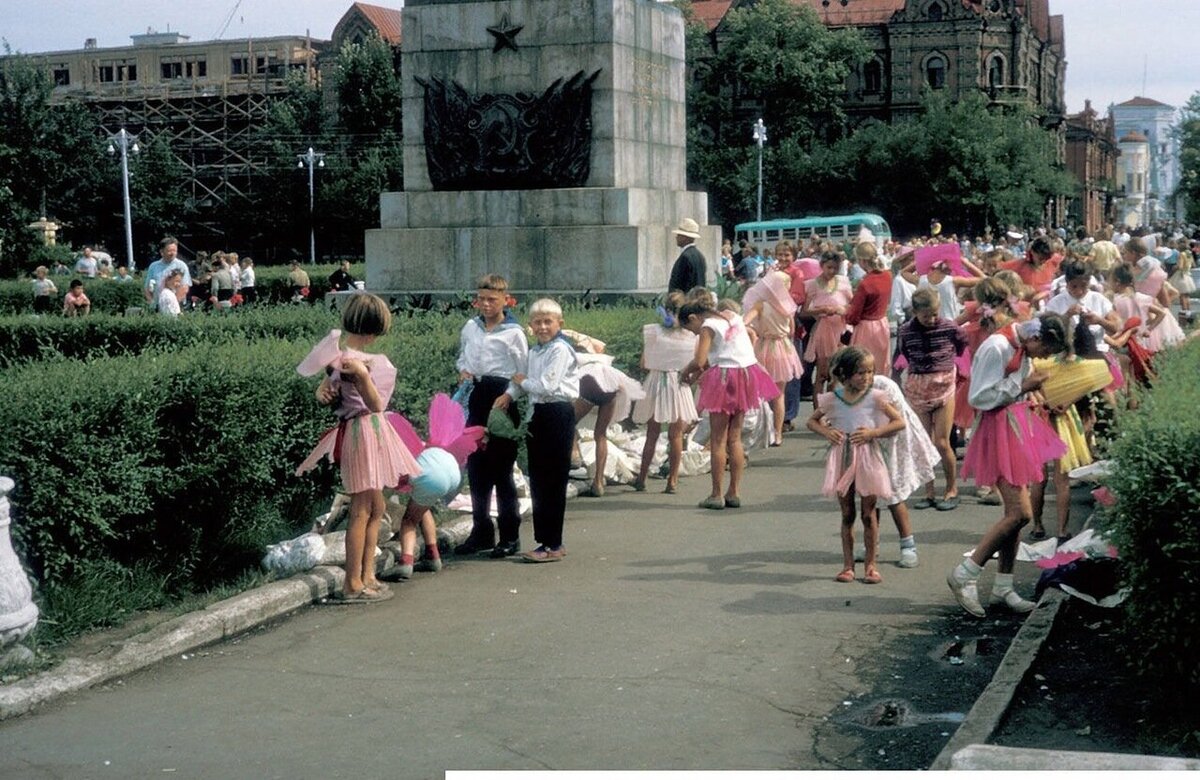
<point x="989" y="709"/>
<point x="179" y="635"/>
<point x="992" y="757"/>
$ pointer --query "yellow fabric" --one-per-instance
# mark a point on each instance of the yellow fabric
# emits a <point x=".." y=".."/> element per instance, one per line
<point x="1070" y="429"/>
<point x="1069" y="381"/>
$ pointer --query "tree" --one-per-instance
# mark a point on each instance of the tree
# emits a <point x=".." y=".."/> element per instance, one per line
<point x="774" y="59"/>
<point x="1188" y="134"/>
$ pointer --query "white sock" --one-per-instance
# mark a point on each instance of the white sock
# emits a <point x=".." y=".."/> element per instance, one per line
<point x="1003" y="584"/>
<point x="968" y="570"/>
<point x="908" y="542"/>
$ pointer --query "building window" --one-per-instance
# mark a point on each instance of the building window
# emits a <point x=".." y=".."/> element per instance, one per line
<point x="106" y="74"/>
<point x="873" y="76"/>
<point x="995" y="71"/>
<point x="935" y="12"/>
<point x="178" y="67"/>
<point x="61" y="74"/>
<point x="171" y="68"/>
<point x="127" y="72"/>
<point x="935" y="71"/>
<point x="195" y="69"/>
<point x="239" y="65"/>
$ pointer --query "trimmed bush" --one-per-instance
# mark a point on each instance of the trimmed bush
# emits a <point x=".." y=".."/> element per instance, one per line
<point x="1156" y="522"/>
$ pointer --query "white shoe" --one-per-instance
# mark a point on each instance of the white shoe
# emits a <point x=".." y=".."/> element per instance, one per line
<point x="908" y="558"/>
<point x="860" y="554"/>
<point x="1013" y="601"/>
<point x="967" y="594"/>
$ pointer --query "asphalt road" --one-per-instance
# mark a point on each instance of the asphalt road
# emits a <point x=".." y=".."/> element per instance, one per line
<point x="669" y="638"/>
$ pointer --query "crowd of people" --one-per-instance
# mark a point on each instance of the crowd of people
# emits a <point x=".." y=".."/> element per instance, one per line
<point x="217" y="281"/>
<point x="1021" y="351"/>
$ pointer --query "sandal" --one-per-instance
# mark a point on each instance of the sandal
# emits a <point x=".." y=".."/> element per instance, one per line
<point x="873" y="577"/>
<point x="923" y="503"/>
<point x="713" y="503"/>
<point x="733" y="502"/>
<point x="847" y="575"/>
<point x="670" y="488"/>
<point x="1038" y="533"/>
<point x="640" y="486"/>
<point x="364" y="596"/>
<point x="591" y="491"/>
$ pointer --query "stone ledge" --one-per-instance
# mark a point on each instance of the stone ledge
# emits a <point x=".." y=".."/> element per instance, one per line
<point x="1008" y="759"/>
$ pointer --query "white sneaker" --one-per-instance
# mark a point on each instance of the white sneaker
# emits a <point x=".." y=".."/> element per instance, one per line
<point x="860" y="554"/>
<point x="1013" y="601"/>
<point x="967" y="594"/>
<point x="908" y="558"/>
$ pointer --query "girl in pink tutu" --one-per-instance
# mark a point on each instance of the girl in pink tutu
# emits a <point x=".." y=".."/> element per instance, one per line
<point x="731" y="382"/>
<point x="868" y="308"/>
<point x="1159" y="327"/>
<point x="1011" y="444"/>
<point x="364" y="444"/>
<point x="771" y="312"/>
<point x="826" y="298"/>
<point x="853" y="418"/>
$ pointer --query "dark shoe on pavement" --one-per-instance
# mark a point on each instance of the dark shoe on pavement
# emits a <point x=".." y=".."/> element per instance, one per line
<point x="946" y="504"/>
<point x="923" y="503"/>
<point x="429" y="565"/>
<point x="472" y="546"/>
<point x="505" y="549"/>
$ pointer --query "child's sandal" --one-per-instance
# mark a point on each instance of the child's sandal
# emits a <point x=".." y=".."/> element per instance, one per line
<point x="873" y="577"/>
<point x="847" y="575"/>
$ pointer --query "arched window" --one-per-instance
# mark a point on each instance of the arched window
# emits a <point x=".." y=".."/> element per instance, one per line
<point x="935" y="71"/>
<point x="935" y="12"/>
<point x="995" y="71"/>
<point x="873" y="76"/>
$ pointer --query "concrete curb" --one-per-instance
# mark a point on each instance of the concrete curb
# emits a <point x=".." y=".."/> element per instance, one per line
<point x="989" y="709"/>
<point x="179" y="635"/>
<point x="992" y="757"/>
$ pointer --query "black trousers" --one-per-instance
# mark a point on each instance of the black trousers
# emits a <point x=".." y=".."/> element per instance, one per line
<point x="492" y="467"/>
<point x="551" y="433"/>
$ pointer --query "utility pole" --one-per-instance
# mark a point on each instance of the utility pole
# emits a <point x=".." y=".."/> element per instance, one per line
<point x="760" y="137"/>
<point x="126" y="143"/>
<point x="312" y="160"/>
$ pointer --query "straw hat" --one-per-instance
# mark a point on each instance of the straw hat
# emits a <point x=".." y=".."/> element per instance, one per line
<point x="688" y="227"/>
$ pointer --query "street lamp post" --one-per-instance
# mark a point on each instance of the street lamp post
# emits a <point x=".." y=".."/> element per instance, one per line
<point x="760" y="137"/>
<point x="312" y="160"/>
<point x="126" y="143"/>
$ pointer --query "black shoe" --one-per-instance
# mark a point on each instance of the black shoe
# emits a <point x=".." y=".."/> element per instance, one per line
<point x="472" y="546"/>
<point x="505" y="549"/>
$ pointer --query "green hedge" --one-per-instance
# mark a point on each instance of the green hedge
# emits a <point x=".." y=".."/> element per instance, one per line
<point x="1156" y="522"/>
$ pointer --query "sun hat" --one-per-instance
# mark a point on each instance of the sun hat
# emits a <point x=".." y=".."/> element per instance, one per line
<point x="688" y="227"/>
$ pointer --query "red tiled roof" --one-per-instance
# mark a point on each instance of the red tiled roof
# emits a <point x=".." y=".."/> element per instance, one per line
<point x="385" y="20"/>
<point x="856" y="13"/>
<point x="1134" y="136"/>
<point x="1143" y="102"/>
<point x="711" y="12"/>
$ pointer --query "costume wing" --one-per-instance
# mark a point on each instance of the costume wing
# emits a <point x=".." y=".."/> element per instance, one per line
<point x="324" y="354"/>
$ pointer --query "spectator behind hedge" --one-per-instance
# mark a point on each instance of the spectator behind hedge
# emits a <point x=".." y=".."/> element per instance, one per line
<point x="341" y="280"/>
<point x="168" y="296"/>
<point x="168" y="250"/>
<point x="247" y="289"/>
<point x="298" y="278"/>
<point x="44" y="291"/>
<point x="220" y="290"/>
<point x="75" y="302"/>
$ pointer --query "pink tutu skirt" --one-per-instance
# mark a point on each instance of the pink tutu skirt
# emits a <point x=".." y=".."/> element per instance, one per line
<point x="1011" y="444"/>
<point x="368" y="451"/>
<point x="857" y="465"/>
<point x="964" y="413"/>
<point x="875" y="336"/>
<point x="826" y="338"/>
<point x="779" y="359"/>
<point x="1114" y="367"/>
<point x="732" y="390"/>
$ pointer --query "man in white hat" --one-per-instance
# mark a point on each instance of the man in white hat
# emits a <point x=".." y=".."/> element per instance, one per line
<point x="690" y="270"/>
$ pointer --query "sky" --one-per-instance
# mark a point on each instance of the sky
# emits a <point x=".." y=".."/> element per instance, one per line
<point x="1111" y="44"/>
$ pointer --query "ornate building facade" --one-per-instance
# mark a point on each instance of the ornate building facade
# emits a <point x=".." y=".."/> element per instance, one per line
<point x="1092" y="156"/>
<point x="1154" y="121"/>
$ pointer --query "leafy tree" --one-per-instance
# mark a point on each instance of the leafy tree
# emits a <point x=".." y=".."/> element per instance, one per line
<point x="773" y="59"/>
<point x="1188" y="133"/>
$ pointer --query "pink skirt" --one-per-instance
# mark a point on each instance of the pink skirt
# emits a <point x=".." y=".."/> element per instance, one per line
<point x="964" y="413"/>
<point x="1114" y="366"/>
<point x="778" y="358"/>
<point x="1011" y="444"/>
<point x="875" y="336"/>
<point x="734" y="390"/>
<point x="826" y="338"/>
<point x="369" y="452"/>
<point x="927" y="392"/>
<point x="859" y="466"/>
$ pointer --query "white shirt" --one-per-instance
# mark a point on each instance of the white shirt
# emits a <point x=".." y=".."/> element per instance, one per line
<point x="248" y="276"/>
<point x="900" y="304"/>
<point x="990" y="388"/>
<point x="948" y="306"/>
<point x="168" y="304"/>
<point x="502" y="351"/>
<point x="1091" y="301"/>
<point x="553" y="373"/>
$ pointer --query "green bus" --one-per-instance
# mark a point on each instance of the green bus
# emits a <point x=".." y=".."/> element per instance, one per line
<point x="836" y="228"/>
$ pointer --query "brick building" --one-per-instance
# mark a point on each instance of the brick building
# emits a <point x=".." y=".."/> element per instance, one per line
<point x="1092" y="157"/>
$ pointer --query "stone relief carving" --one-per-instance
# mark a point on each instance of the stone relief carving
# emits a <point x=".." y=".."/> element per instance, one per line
<point x="509" y="141"/>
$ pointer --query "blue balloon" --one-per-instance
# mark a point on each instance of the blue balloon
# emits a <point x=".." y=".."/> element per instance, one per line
<point x="439" y="475"/>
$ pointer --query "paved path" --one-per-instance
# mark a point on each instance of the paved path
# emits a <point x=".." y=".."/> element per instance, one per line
<point x="670" y="638"/>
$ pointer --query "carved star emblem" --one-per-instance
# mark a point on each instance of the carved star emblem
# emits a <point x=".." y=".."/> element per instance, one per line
<point x="505" y="34"/>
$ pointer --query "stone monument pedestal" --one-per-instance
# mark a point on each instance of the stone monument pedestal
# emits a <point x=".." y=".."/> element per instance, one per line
<point x="479" y="75"/>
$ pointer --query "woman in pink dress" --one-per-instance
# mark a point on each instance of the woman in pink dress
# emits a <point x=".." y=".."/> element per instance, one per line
<point x="868" y="308"/>
<point x="827" y="299"/>
<point x="771" y="312"/>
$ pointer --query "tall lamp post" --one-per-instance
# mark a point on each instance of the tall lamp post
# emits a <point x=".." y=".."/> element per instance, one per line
<point x="126" y="143"/>
<point x="312" y="160"/>
<point x="760" y="137"/>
